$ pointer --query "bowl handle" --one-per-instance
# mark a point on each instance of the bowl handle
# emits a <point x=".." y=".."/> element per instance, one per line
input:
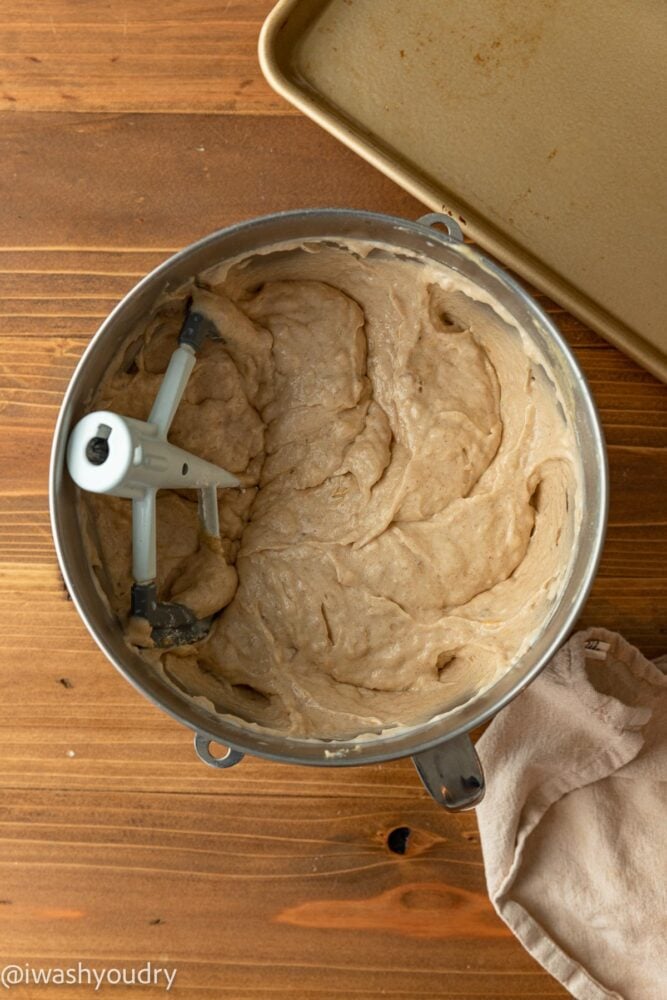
<point x="202" y="749"/>
<point x="452" y="773"/>
<point x="432" y="219"/>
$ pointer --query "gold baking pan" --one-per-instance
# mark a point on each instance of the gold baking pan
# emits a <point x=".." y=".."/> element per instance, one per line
<point x="538" y="124"/>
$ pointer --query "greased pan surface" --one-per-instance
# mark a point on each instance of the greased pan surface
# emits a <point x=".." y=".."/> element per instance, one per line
<point x="536" y="123"/>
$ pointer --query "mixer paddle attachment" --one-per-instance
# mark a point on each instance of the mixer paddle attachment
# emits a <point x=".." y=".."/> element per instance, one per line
<point x="124" y="457"/>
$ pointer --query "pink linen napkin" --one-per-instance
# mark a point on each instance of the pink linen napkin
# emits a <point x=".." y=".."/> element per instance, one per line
<point x="574" y="822"/>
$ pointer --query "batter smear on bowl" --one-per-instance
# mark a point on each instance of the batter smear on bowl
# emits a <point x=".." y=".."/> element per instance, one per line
<point x="409" y="499"/>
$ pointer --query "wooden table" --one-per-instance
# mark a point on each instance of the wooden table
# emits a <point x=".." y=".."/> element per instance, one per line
<point x="128" y="130"/>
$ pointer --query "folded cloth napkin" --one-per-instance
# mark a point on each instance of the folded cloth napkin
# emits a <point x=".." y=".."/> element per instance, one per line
<point x="574" y="822"/>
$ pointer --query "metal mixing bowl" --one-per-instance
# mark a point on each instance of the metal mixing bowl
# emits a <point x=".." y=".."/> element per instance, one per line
<point x="441" y="749"/>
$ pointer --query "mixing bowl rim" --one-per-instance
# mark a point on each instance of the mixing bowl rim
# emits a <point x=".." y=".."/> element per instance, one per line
<point x="425" y="230"/>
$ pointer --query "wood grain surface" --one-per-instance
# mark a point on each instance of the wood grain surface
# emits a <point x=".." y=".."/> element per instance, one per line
<point x="128" y="130"/>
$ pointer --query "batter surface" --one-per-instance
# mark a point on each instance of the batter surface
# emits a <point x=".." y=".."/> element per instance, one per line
<point x="409" y="497"/>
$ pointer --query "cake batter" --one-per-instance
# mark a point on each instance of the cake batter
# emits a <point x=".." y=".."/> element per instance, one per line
<point x="409" y="493"/>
